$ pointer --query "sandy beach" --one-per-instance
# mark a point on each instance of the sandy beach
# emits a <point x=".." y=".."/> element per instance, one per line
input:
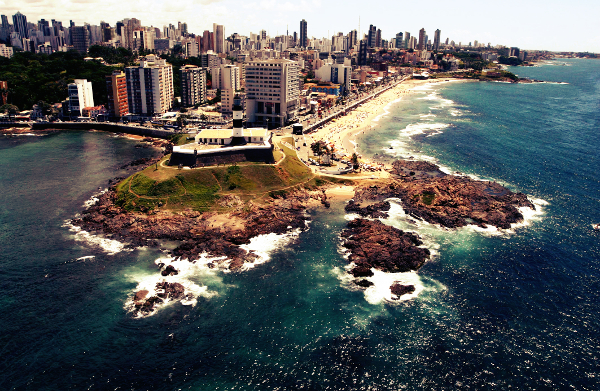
<point x="342" y="132"/>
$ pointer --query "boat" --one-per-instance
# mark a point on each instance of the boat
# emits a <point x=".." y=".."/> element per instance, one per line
<point x="596" y="226"/>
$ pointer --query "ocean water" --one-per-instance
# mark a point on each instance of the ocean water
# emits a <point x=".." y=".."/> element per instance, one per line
<point x="492" y="310"/>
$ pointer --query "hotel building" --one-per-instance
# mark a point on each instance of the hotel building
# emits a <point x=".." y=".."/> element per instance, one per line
<point x="272" y="91"/>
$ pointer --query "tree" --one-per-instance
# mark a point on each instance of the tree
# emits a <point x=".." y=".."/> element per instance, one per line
<point x="354" y="161"/>
<point x="45" y="107"/>
<point x="318" y="147"/>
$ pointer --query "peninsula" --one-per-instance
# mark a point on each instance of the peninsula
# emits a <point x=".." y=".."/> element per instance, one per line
<point x="213" y="211"/>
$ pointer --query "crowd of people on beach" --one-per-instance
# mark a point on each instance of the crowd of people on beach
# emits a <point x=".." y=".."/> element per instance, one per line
<point x="342" y="131"/>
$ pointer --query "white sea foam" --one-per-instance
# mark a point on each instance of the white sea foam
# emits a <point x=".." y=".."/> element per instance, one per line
<point x="206" y="268"/>
<point x="529" y="216"/>
<point x="86" y="258"/>
<point x="94" y="199"/>
<point x="188" y="274"/>
<point x="380" y="290"/>
<point x="110" y="246"/>
<point x="423" y="127"/>
<point x="386" y="110"/>
<point x="264" y="245"/>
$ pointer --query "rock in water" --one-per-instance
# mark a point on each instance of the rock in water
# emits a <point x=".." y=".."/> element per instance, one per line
<point x="169" y="271"/>
<point x="376" y="245"/>
<point x="399" y="289"/>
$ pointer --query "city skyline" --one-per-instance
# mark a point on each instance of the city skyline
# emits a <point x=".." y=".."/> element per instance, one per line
<point x="530" y="25"/>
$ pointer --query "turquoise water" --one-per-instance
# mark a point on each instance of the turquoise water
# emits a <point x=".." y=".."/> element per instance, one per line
<point x="494" y="310"/>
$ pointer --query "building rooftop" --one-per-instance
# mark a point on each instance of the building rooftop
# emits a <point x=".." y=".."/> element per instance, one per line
<point x="227" y="133"/>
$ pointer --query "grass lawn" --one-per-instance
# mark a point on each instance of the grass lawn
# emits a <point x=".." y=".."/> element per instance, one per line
<point x="200" y="189"/>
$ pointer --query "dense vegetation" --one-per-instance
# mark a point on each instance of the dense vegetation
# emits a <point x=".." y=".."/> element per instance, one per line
<point x="40" y="77"/>
<point x="509" y="60"/>
<point x="471" y="60"/>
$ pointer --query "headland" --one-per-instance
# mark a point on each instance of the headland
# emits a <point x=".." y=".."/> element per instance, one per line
<point x="213" y="212"/>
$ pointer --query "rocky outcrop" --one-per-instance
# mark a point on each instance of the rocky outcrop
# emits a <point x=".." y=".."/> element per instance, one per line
<point x="448" y="200"/>
<point x="399" y="289"/>
<point x="218" y="236"/>
<point x="374" y="211"/>
<point x="373" y="244"/>
<point x="163" y="291"/>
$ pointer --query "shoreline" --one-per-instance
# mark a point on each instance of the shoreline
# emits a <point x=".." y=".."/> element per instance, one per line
<point x="343" y="132"/>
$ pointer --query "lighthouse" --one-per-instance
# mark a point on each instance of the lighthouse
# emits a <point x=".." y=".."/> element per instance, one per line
<point x="238" y="118"/>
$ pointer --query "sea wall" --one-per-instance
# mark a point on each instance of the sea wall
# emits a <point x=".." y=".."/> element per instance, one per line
<point x="106" y="126"/>
<point x="223" y="156"/>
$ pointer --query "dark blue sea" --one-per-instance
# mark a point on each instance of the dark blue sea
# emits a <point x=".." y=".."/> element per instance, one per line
<point x="492" y="310"/>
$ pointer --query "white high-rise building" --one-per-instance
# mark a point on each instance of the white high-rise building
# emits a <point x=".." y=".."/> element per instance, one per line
<point x="272" y="91"/>
<point x="150" y="86"/>
<point x="81" y="95"/>
<point x="230" y="77"/>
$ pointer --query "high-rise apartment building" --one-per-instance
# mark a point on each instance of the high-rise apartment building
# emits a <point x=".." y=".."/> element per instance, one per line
<point x="303" y="34"/>
<point x="80" y="38"/>
<point x="372" y="37"/>
<point x="437" y="39"/>
<point x="399" y="41"/>
<point x="116" y="88"/>
<point x="143" y="39"/>
<point x="150" y="86"/>
<point x="422" y="39"/>
<point x="80" y="96"/>
<point x="20" y="25"/>
<point x="5" y="24"/>
<point x="127" y="27"/>
<point x="406" y="39"/>
<point x="272" y="91"/>
<point x="193" y="85"/>
<point x="352" y="38"/>
<point x="230" y="77"/>
<point x="219" y="38"/>
<point x="362" y="52"/>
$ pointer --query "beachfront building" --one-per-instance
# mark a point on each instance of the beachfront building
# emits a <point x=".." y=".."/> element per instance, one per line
<point x="80" y="95"/>
<point x="272" y="91"/>
<point x="116" y="88"/>
<point x="336" y="73"/>
<point x="193" y="85"/>
<point x="326" y="88"/>
<point x="150" y="86"/>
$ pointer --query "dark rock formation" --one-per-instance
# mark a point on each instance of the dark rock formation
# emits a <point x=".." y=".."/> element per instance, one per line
<point x="169" y="271"/>
<point x="449" y="200"/>
<point x="399" y="289"/>
<point x="376" y="245"/>
<point x="375" y="210"/>
<point x="363" y="283"/>
<point x="170" y="290"/>
<point x="361" y="271"/>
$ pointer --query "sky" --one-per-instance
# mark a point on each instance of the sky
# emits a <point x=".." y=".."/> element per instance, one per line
<point x="528" y="24"/>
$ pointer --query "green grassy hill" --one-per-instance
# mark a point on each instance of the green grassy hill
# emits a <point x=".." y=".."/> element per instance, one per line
<point x="202" y="188"/>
